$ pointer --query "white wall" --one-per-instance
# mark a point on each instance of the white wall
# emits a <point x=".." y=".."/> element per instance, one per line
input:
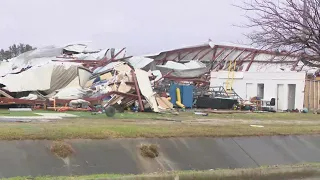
<point x="270" y="81"/>
<point x="268" y="67"/>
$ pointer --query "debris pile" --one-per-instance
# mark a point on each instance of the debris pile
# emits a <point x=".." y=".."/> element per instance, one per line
<point x="77" y="77"/>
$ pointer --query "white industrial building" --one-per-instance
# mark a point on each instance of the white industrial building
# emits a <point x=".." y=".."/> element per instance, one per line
<point x="252" y="72"/>
<point x="286" y="87"/>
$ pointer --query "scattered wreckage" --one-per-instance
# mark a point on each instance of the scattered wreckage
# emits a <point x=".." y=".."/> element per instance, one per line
<point x="76" y="77"/>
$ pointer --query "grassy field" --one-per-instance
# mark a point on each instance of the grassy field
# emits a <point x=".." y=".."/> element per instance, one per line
<point x="181" y="116"/>
<point x="191" y="115"/>
<point x="263" y="173"/>
<point x="153" y="125"/>
<point x="126" y="115"/>
<point x="268" y="116"/>
<point x="103" y="129"/>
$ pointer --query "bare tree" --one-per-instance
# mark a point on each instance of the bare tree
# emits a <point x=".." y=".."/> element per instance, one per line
<point x="291" y="25"/>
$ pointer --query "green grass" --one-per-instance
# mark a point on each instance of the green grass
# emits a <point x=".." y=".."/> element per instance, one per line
<point x="191" y="115"/>
<point x="262" y="173"/>
<point x="269" y="116"/>
<point x="89" y="177"/>
<point x="135" y="125"/>
<point x="103" y="129"/>
<point x="125" y="115"/>
<point x="181" y="116"/>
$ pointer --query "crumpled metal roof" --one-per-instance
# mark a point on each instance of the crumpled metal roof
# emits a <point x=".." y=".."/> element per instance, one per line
<point x="139" y="61"/>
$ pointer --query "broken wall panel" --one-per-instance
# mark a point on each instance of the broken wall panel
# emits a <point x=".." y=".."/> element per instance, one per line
<point x="30" y="80"/>
<point x="146" y="89"/>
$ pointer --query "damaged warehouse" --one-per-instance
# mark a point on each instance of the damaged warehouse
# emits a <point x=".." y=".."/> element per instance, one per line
<point x="250" y="75"/>
<point x="60" y="75"/>
<point x="216" y="76"/>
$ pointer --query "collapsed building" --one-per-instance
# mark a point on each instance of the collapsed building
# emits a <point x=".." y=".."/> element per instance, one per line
<point x="242" y="72"/>
<point x="205" y="76"/>
<point x="75" y="73"/>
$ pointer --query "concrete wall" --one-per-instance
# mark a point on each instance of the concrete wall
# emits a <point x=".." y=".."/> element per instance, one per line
<point x="122" y="156"/>
<point x="270" y="81"/>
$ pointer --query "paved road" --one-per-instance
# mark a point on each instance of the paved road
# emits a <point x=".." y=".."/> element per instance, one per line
<point x="24" y="158"/>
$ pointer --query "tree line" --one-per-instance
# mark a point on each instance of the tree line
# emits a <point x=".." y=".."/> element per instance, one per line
<point x="14" y="51"/>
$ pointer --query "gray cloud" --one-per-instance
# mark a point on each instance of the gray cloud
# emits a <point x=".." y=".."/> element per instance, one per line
<point x="143" y="26"/>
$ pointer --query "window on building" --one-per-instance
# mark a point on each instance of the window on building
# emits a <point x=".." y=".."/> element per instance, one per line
<point x="260" y="93"/>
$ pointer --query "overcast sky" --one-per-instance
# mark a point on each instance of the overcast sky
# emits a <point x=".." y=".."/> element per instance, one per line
<point x="143" y="26"/>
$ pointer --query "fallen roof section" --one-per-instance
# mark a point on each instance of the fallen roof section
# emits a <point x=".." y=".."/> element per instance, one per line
<point x="191" y="69"/>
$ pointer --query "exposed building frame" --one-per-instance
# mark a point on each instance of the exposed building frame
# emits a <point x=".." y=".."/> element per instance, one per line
<point x="295" y="65"/>
<point x="259" y="51"/>
<point x="198" y="54"/>
<point x="214" y="53"/>
<point x="251" y="61"/>
<point x="188" y="53"/>
<point x="235" y="59"/>
<point x="223" y="59"/>
<point x="178" y="55"/>
<point x="201" y="57"/>
<point x="219" y="54"/>
<point x="244" y="59"/>
<point x="97" y="63"/>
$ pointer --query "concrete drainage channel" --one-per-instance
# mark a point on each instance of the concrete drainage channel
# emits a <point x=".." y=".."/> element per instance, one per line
<point x="125" y="156"/>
